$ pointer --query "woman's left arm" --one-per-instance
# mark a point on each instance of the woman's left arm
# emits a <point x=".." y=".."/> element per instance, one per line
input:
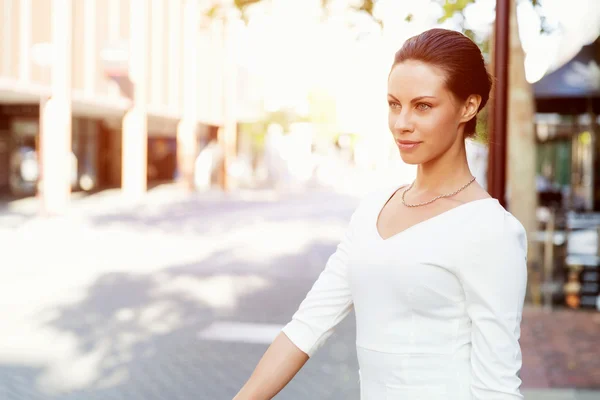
<point x="494" y="278"/>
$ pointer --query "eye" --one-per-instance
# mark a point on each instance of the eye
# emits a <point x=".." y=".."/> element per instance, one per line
<point x="394" y="104"/>
<point x="423" y="106"/>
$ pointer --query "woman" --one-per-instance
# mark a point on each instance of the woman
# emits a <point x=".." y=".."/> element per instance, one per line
<point x="436" y="270"/>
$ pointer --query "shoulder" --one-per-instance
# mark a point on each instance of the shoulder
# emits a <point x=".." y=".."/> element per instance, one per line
<point x="494" y="247"/>
<point x="514" y="232"/>
<point x="494" y="226"/>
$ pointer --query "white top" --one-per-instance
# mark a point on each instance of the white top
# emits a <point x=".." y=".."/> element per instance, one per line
<point x="451" y="287"/>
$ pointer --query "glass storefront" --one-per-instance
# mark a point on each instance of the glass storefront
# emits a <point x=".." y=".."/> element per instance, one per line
<point x="19" y="145"/>
<point x="23" y="162"/>
<point x="85" y="149"/>
<point x="162" y="159"/>
<point x="565" y="161"/>
<point x="583" y="171"/>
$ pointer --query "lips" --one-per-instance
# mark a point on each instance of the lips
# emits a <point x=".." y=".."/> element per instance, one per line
<point x="407" y="144"/>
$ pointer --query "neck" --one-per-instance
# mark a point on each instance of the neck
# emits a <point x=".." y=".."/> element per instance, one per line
<point x="445" y="173"/>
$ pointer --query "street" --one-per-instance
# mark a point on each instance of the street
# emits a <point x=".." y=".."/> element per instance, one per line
<point x="179" y="297"/>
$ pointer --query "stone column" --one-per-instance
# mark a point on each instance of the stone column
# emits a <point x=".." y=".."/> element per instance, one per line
<point x="135" y="121"/>
<point x="228" y="131"/>
<point x="187" y="141"/>
<point x="521" y="152"/>
<point x="55" y="117"/>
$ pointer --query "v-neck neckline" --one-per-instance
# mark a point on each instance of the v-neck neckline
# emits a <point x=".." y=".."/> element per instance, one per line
<point x="423" y="222"/>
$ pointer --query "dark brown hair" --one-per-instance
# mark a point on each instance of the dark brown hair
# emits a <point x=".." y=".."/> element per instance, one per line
<point x="459" y="57"/>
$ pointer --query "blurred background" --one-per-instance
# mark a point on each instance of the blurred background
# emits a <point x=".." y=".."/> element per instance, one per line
<point x="174" y="175"/>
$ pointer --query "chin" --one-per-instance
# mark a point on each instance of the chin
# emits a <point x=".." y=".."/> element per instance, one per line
<point x="411" y="159"/>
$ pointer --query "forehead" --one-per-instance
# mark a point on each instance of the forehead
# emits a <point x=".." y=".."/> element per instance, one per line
<point x="415" y="78"/>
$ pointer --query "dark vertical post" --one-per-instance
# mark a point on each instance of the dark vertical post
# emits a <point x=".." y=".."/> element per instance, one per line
<point x="595" y="131"/>
<point x="497" y="147"/>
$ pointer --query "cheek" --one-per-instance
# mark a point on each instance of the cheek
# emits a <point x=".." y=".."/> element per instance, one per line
<point x="438" y="124"/>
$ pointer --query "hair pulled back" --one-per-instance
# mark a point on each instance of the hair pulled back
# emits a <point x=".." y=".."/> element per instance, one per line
<point x="459" y="57"/>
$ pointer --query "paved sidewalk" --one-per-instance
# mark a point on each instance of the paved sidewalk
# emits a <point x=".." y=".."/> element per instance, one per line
<point x="108" y="302"/>
<point x="560" y="394"/>
<point x="561" y="349"/>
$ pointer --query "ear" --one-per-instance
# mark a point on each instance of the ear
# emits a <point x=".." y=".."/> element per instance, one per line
<point x="470" y="107"/>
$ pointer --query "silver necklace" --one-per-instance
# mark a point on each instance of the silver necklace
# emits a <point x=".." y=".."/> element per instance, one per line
<point x="435" y="198"/>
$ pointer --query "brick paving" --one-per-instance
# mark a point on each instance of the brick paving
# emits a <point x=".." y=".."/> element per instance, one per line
<point x="107" y="302"/>
<point x="561" y="348"/>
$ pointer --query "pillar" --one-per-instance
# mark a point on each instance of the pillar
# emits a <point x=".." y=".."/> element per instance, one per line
<point x="187" y="142"/>
<point x="497" y="149"/>
<point x="55" y="117"/>
<point x="228" y="131"/>
<point x="135" y="121"/>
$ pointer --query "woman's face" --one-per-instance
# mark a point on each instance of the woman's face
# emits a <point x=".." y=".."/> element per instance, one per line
<point x="424" y="116"/>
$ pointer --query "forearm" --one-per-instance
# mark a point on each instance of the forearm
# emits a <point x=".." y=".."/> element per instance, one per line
<point x="280" y="363"/>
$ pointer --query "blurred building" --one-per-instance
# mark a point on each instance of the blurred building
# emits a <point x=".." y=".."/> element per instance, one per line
<point x="568" y="130"/>
<point x="105" y="93"/>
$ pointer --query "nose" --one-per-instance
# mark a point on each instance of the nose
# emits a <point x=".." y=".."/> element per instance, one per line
<point x="403" y="122"/>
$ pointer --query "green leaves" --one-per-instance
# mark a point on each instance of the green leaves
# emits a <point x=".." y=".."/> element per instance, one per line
<point x="367" y="6"/>
<point x="451" y="7"/>
<point x="242" y="4"/>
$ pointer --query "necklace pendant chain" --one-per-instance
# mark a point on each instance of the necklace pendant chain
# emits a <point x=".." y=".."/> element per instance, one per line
<point x="435" y="198"/>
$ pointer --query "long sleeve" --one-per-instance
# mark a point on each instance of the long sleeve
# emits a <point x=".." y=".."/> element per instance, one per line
<point x="494" y="277"/>
<point x="327" y="303"/>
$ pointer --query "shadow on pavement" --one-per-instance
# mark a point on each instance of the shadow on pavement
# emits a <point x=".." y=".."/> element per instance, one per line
<point x="198" y="216"/>
<point x="136" y="336"/>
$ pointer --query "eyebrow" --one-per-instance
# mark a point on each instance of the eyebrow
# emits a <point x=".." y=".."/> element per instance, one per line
<point x="415" y="99"/>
